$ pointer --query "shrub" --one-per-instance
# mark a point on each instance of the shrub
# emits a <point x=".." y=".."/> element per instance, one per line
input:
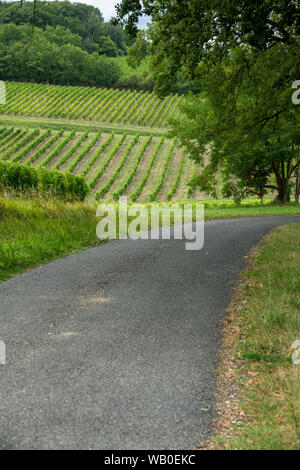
<point x="49" y="183"/>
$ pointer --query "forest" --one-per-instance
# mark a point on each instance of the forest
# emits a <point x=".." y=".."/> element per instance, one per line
<point x="60" y="43"/>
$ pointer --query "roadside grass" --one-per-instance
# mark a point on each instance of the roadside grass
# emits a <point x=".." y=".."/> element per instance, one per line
<point x="232" y="211"/>
<point x="35" y="231"/>
<point x="264" y="323"/>
<point x="229" y="210"/>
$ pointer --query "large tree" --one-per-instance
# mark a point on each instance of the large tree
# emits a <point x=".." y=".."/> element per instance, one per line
<point x="244" y="56"/>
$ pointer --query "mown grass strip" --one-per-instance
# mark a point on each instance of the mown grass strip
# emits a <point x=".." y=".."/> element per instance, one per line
<point x="265" y="319"/>
<point x="66" y="125"/>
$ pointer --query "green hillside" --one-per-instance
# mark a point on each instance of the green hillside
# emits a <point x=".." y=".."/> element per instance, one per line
<point x="115" y="106"/>
<point x="114" y="138"/>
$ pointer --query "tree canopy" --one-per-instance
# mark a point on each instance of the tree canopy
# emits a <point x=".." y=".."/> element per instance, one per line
<point x="53" y="55"/>
<point x="244" y="57"/>
<point x="83" y="20"/>
<point x="59" y="42"/>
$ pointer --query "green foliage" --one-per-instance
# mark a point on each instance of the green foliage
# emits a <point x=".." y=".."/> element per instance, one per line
<point x="57" y="149"/>
<point x="48" y="183"/>
<point x="71" y="151"/>
<point x="136" y="193"/>
<point x="29" y="147"/>
<point x="247" y="122"/>
<point x="65" y="22"/>
<point x="11" y="139"/>
<point x="191" y="184"/>
<point x="185" y="33"/>
<point x="177" y="179"/>
<point x="114" y="176"/>
<point x="98" y="153"/>
<point x="244" y="58"/>
<point x="44" y="147"/>
<point x="84" y="152"/>
<point x="36" y="231"/>
<point x="101" y="170"/>
<point x="159" y="184"/>
<point x="111" y="105"/>
<point x="38" y="56"/>
<point x="20" y="143"/>
<point x="130" y="177"/>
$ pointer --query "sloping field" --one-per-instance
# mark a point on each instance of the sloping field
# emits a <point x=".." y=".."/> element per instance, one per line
<point x="114" y="106"/>
<point x="142" y="167"/>
<point x="115" y="138"/>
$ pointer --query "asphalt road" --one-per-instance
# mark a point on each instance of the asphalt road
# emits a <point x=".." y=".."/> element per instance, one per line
<point x="114" y="347"/>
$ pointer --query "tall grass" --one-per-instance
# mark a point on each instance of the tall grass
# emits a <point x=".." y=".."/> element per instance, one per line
<point x="266" y="322"/>
<point x="35" y="231"/>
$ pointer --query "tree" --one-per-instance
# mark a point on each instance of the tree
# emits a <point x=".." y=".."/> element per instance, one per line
<point x="244" y="57"/>
<point x="84" y="21"/>
<point x="247" y="119"/>
<point x="107" y="47"/>
<point x="51" y="56"/>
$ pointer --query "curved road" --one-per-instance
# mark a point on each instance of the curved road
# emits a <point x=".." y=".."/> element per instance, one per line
<point x="114" y="347"/>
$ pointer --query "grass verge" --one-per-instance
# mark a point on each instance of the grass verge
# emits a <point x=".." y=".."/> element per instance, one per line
<point x="35" y="231"/>
<point x="259" y="386"/>
<point x="232" y="211"/>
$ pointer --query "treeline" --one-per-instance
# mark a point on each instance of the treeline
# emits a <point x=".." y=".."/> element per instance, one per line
<point x="65" y="43"/>
<point x="52" y="56"/>
<point x="85" y="21"/>
<point x="60" y="43"/>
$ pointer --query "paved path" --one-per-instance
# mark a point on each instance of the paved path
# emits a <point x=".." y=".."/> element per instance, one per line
<point x="114" y="347"/>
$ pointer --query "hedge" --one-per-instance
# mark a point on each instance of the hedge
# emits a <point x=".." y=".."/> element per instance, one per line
<point x="48" y="183"/>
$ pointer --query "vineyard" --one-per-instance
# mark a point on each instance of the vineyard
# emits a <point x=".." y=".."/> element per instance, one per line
<point x="144" y="168"/>
<point x="116" y="160"/>
<point x="112" y="106"/>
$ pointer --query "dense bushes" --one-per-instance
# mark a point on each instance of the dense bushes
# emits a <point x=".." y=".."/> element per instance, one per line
<point x="66" y="22"/>
<point x="22" y="178"/>
<point x="27" y="56"/>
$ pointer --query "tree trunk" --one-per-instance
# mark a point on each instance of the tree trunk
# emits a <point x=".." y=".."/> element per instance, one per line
<point x="261" y="195"/>
<point x="297" y="193"/>
<point x="282" y="185"/>
<point x="283" y="194"/>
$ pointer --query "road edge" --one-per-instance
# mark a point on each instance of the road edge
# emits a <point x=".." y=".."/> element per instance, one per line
<point x="229" y="395"/>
